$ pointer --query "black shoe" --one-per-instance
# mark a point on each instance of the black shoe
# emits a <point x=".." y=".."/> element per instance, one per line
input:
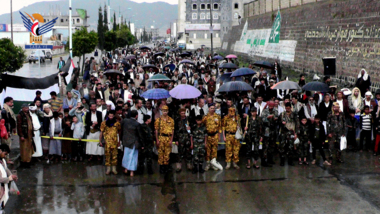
<point x="290" y="162"/>
<point x="265" y="164"/>
<point x="201" y="170"/>
<point x="169" y="168"/>
<point x="270" y="159"/>
<point x="162" y="169"/>
<point x="150" y="170"/>
<point x="282" y="161"/>
<point x="195" y="169"/>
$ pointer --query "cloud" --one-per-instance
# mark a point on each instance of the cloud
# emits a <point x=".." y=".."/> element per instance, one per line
<point x="17" y="5"/>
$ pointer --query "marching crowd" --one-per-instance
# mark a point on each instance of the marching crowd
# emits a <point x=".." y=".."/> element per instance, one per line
<point x="106" y="115"/>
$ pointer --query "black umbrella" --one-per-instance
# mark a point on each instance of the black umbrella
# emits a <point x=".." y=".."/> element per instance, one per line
<point x="186" y="61"/>
<point x="113" y="72"/>
<point x="228" y="66"/>
<point x="145" y="48"/>
<point x="149" y="66"/>
<point x="158" y="54"/>
<point x="226" y="77"/>
<point x="316" y="86"/>
<point x="130" y="57"/>
<point x="235" y="86"/>
<point x="185" y="54"/>
<point x="264" y="64"/>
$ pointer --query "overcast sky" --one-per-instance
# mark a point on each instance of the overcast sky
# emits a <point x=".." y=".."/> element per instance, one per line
<point x="18" y="4"/>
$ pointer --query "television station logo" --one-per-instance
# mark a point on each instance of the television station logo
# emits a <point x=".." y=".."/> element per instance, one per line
<point x="32" y="23"/>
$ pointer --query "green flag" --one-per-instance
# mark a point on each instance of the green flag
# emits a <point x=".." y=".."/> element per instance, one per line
<point x="275" y="32"/>
<point x="82" y="13"/>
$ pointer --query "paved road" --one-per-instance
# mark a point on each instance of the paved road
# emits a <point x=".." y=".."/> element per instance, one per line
<point x="351" y="187"/>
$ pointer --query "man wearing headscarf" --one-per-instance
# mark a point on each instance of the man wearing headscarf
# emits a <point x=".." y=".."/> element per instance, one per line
<point x="34" y="114"/>
<point x="336" y="128"/>
<point x="363" y="82"/>
<point x="25" y="132"/>
<point x="355" y="102"/>
<point x="269" y="118"/>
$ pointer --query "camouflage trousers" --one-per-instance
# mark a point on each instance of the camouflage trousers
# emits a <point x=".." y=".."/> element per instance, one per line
<point x="232" y="148"/>
<point x="164" y="150"/>
<point x="110" y="151"/>
<point x="184" y="151"/>
<point x="269" y="144"/>
<point x="303" y="147"/>
<point x="254" y="141"/>
<point x="199" y="153"/>
<point x="146" y="154"/>
<point x="212" y="147"/>
<point x="286" y="147"/>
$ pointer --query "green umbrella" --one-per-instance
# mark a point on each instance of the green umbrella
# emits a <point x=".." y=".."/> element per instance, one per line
<point x="167" y="47"/>
<point x="159" y="77"/>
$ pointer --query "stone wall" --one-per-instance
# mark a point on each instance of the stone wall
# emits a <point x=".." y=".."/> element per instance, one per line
<point x="346" y="29"/>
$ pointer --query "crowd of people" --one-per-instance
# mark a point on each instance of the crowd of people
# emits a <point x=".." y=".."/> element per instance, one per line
<point x="106" y="115"/>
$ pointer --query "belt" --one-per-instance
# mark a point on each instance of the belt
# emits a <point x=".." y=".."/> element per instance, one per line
<point x="212" y="134"/>
<point x="166" y="135"/>
<point x="231" y="133"/>
<point x="93" y="130"/>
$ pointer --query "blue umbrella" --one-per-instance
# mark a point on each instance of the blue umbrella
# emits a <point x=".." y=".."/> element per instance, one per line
<point x="264" y="64"/>
<point x="218" y="57"/>
<point x="170" y="66"/>
<point x="156" y="94"/>
<point x="187" y="62"/>
<point x="243" y="72"/>
<point x="235" y="86"/>
<point x="228" y="66"/>
<point x="226" y="77"/>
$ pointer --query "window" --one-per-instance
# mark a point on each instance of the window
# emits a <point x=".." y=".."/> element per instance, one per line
<point x="208" y="16"/>
<point x="216" y="6"/>
<point x="78" y="20"/>
<point x="194" y="6"/>
<point x="202" y="16"/>
<point x="45" y="20"/>
<point x="67" y="20"/>
<point x="236" y="6"/>
<point x="215" y="16"/>
<point x="203" y="6"/>
<point x="61" y="20"/>
<point x="194" y="35"/>
<point x="205" y="35"/>
<point x="194" y="16"/>
<point x="208" y="6"/>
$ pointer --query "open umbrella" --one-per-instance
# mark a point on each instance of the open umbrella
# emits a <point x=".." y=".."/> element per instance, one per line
<point x="170" y="66"/>
<point x="243" y="72"/>
<point x="144" y="48"/>
<point x="113" y="72"/>
<point x="285" y="85"/>
<point x="231" y="56"/>
<point x="228" y="66"/>
<point x="159" y="77"/>
<point x="158" y="54"/>
<point x="185" y="54"/>
<point x="156" y="94"/>
<point x="130" y="57"/>
<point x="149" y="66"/>
<point x="263" y="64"/>
<point x="186" y="61"/>
<point x="316" y="86"/>
<point x="218" y="57"/>
<point x="235" y="86"/>
<point x="167" y="47"/>
<point x="184" y="91"/>
<point x="226" y="77"/>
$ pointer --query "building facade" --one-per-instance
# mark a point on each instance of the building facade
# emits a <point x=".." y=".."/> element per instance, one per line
<point x="232" y="11"/>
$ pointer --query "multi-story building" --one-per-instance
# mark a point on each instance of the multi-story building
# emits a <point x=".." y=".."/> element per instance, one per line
<point x="197" y="22"/>
<point x="232" y="11"/>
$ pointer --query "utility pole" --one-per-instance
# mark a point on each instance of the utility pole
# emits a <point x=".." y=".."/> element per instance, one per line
<point x="211" y="29"/>
<point x="11" y="22"/>
<point x="70" y="32"/>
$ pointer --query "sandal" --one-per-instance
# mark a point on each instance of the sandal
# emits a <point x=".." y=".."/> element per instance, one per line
<point x="248" y="166"/>
<point x="313" y="162"/>
<point x="256" y="167"/>
<point x="299" y="162"/>
<point x="305" y="163"/>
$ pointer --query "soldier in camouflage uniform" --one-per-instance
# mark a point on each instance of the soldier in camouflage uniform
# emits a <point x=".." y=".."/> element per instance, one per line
<point x="289" y="129"/>
<point x="304" y="144"/>
<point x="230" y="126"/>
<point x="336" y="126"/>
<point x="269" y="118"/>
<point x="199" y="144"/>
<point x="213" y="124"/>
<point x="146" y="151"/>
<point x="182" y="139"/>
<point x="253" y="136"/>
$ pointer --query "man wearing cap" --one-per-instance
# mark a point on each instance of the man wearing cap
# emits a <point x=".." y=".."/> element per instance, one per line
<point x="35" y="116"/>
<point x="289" y="129"/>
<point x="25" y="131"/>
<point x="213" y="123"/>
<point x="269" y="118"/>
<point x="230" y="125"/>
<point x="55" y="102"/>
<point x="164" y="127"/>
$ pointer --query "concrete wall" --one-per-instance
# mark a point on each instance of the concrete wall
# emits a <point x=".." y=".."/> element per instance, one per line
<point x="346" y="29"/>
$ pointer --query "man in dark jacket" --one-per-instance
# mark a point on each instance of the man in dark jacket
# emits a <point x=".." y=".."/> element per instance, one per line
<point x="317" y="136"/>
<point x="146" y="152"/>
<point x="25" y="132"/>
<point x="131" y="136"/>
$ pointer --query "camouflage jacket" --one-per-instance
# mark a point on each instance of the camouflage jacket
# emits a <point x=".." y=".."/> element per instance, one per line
<point x="336" y="124"/>
<point x="292" y="122"/>
<point x="269" y="122"/>
<point x="199" y="134"/>
<point x="303" y="132"/>
<point x="180" y="131"/>
<point x="255" y="126"/>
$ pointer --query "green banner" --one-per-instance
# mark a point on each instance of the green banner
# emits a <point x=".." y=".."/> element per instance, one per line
<point x="82" y="13"/>
<point x="275" y="32"/>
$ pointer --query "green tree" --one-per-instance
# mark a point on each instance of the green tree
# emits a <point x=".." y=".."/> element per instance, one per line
<point x="12" y="57"/>
<point x="124" y="37"/>
<point x="105" y="17"/>
<point x="100" y="30"/>
<point x="114" y="27"/>
<point x="83" y="42"/>
<point x="110" y="41"/>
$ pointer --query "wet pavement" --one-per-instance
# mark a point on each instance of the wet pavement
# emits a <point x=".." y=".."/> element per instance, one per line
<point x="81" y="187"/>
